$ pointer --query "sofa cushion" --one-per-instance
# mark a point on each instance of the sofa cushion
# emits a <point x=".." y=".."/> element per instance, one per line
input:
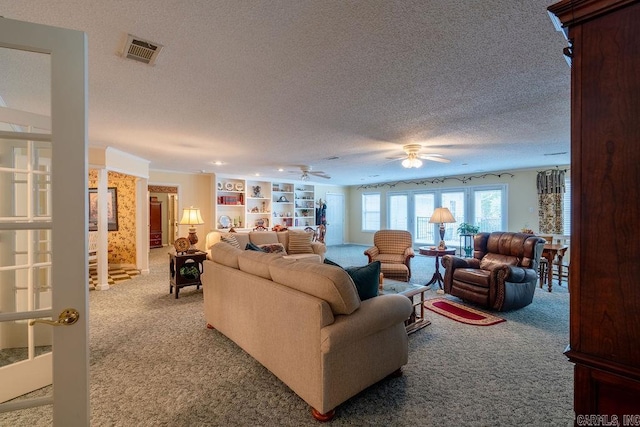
<point x="492" y="261"/>
<point x="256" y="263"/>
<point x="326" y="282"/>
<point x="366" y="279"/>
<point x="273" y="248"/>
<point x="263" y="237"/>
<point x="230" y="238"/>
<point x="225" y="254"/>
<point x="299" y="242"/>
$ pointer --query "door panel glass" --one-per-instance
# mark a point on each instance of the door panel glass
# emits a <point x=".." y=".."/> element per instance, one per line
<point x="398" y="212"/>
<point x="488" y="210"/>
<point x="424" y="206"/>
<point x="455" y="202"/>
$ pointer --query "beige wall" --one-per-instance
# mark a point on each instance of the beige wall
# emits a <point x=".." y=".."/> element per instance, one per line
<point x="193" y="190"/>
<point x="522" y="200"/>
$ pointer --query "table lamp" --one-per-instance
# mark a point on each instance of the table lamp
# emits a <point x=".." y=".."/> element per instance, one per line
<point x="191" y="216"/>
<point x="442" y="216"/>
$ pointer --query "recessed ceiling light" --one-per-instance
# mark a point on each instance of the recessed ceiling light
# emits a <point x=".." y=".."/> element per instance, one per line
<point x="218" y="163"/>
<point x="257" y="174"/>
<point x="280" y="170"/>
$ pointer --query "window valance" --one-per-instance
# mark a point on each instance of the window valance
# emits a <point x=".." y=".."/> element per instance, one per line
<point x="551" y="181"/>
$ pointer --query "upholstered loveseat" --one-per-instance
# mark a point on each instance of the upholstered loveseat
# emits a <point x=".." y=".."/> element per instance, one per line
<point x="305" y="323"/>
<point x="299" y="247"/>
<point x="502" y="274"/>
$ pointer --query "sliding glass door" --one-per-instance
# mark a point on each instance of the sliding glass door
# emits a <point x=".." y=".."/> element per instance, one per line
<point x="424" y="232"/>
<point x="398" y="204"/>
<point x="455" y="201"/>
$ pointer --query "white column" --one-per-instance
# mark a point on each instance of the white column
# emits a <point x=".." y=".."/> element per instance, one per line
<point x="142" y="225"/>
<point x="103" y="232"/>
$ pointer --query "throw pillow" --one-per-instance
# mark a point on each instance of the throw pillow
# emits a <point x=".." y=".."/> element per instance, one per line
<point x="366" y="279"/>
<point x="273" y="248"/>
<point x="300" y="242"/>
<point x="253" y="247"/>
<point x="230" y="239"/>
<point x="328" y="261"/>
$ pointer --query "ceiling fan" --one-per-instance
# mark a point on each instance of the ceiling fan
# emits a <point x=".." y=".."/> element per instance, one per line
<point x="413" y="159"/>
<point x="306" y="171"/>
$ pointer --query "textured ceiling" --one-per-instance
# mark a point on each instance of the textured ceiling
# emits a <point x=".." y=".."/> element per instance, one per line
<point x="265" y="84"/>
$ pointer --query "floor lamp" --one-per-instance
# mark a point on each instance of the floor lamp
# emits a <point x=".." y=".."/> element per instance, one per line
<point x="191" y="216"/>
<point x="442" y="216"/>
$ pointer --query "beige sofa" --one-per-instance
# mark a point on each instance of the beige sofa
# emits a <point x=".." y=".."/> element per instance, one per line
<point x="305" y="323"/>
<point x="315" y="253"/>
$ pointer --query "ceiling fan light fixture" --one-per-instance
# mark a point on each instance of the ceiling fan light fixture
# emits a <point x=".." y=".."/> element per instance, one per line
<point x="411" y="162"/>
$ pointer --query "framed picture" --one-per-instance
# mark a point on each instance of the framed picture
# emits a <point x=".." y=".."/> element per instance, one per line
<point x="112" y="209"/>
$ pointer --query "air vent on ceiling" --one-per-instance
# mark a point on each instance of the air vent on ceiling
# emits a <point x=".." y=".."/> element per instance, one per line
<point x="141" y="50"/>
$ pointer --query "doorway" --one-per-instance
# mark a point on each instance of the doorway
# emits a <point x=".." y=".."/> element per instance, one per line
<point x="167" y="196"/>
<point x="335" y="219"/>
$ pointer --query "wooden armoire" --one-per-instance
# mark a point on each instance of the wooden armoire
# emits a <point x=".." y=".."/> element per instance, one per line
<point x="155" y="223"/>
<point x="605" y="179"/>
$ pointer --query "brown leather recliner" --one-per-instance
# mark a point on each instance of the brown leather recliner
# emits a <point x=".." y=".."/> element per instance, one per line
<point x="502" y="274"/>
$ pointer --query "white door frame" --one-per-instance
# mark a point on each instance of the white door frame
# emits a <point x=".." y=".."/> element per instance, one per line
<point x="69" y="91"/>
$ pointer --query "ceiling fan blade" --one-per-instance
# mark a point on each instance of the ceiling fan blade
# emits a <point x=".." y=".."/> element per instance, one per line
<point x="320" y="174"/>
<point x="433" y="158"/>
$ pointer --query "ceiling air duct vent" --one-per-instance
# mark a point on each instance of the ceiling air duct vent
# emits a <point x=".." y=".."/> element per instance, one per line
<point x="141" y="50"/>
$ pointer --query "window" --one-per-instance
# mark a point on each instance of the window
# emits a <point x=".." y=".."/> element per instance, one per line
<point x="484" y="206"/>
<point x="371" y="212"/>
<point x="424" y="205"/>
<point x="488" y="212"/>
<point x="398" y="212"/>
<point x="455" y="202"/>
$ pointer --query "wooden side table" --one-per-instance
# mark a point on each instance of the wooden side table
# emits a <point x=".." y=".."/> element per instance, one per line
<point x="416" y="321"/>
<point x="435" y="252"/>
<point x="185" y="270"/>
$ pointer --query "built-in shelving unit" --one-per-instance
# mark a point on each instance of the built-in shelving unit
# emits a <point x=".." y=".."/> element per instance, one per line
<point x="230" y="202"/>
<point x="248" y="203"/>
<point x="283" y="207"/>
<point x="258" y="204"/>
<point x="304" y="205"/>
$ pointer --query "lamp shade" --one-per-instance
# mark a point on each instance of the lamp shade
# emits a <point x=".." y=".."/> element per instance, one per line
<point x="442" y="216"/>
<point x="191" y="216"/>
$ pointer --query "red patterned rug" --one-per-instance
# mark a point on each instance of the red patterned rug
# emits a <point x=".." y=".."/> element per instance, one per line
<point x="461" y="313"/>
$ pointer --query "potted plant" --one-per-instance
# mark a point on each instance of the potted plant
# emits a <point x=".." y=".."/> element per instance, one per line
<point x="466" y="229"/>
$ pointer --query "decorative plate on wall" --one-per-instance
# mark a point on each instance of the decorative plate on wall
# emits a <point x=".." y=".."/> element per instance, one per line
<point x="239" y="186"/>
<point x="225" y="221"/>
<point x="219" y="185"/>
<point x="228" y="186"/>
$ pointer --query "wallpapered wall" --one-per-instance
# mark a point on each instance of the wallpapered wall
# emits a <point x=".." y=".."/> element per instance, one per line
<point x="122" y="243"/>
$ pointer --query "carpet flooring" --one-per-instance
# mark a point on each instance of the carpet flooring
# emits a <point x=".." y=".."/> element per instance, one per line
<point x="154" y="363"/>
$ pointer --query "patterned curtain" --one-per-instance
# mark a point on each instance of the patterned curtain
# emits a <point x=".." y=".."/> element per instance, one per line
<point x="550" y="185"/>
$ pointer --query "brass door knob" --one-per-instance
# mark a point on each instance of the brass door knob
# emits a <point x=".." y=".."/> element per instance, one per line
<point x="68" y="317"/>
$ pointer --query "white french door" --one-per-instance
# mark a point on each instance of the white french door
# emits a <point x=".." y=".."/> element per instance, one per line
<point x="43" y="219"/>
<point x="335" y="219"/>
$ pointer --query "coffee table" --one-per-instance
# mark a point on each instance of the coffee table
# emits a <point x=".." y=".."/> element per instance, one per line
<point x="415" y="322"/>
